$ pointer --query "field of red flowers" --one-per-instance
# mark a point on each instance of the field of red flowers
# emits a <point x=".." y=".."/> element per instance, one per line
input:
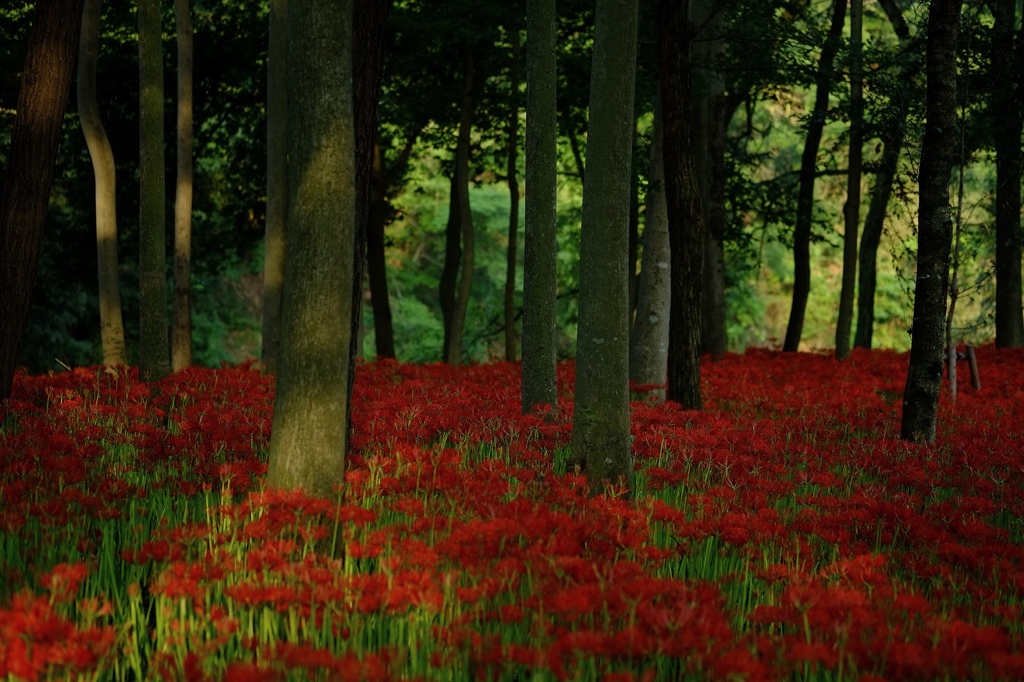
<point x="783" y="533"/>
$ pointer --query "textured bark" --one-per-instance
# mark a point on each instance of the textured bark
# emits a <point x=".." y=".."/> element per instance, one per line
<point x="513" y="199"/>
<point x="309" y="435"/>
<point x="539" y="273"/>
<point x="935" y="230"/>
<point x="42" y="97"/>
<point x="111" y="320"/>
<point x="851" y="211"/>
<point x="181" y="317"/>
<point x="648" y="342"/>
<point x="446" y="288"/>
<point x="376" y="264"/>
<point x="1006" y="105"/>
<point x="685" y="216"/>
<point x="277" y="181"/>
<point x="808" y="172"/>
<point x="154" y="360"/>
<point x="601" y="437"/>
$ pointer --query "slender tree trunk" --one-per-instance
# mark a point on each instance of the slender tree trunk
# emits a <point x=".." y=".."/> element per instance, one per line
<point x="277" y="181"/>
<point x="539" y="273"/>
<point x="181" y="323"/>
<point x="513" y="209"/>
<point x="454" y="356"/>
<point x="311" y="407"/>
<point x="111" y="321"/>
<point x="601" y="437"/>
<point x="808" y="171"/>
<point x="685" y="217"/>
<point x="1007" y="102"/>
<point x="154" y="353"/>
<point x="852" y="208"/>
<point x="376" y="264"/>
<point x="648" y="342"/>
<point x="450" y="272"/>
<point x="42" y="97"/>
<point x="924" y="377"/>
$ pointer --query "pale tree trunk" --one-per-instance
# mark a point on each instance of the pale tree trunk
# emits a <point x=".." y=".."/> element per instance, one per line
<point x="852" y="209"/>
<point x="454" y="356"/>
<point x="42" y="97"/>
<point x="277" y="181"/>
<point x="808" y="174"/>
<point x="513" y="198"/>
<point x="181" y="320"/>
<point x="153" y="343"/>
<point x="648" y="342"/>
<point x="601" y="438"/>
<point x="309" y="435"/>
<point x="539" y="273"/>
<point x="935" y="230"/>
<point x="111" y="321"/>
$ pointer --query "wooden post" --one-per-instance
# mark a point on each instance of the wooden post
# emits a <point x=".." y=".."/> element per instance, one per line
<point x="972" y="361"/>
<point x="951" y="370"/>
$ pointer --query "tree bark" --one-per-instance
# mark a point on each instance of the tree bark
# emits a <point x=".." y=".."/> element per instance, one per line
<point x="1007" y="102"/>
<point x="685" y="215"/>
<point x="111" y="320"/>
<point x="181" y="321"/>
<point x="601" y="437"/>
<point x="376" y="263"/>
<point x="513" y="197"/>
<point x="154" y="360"/>
<point x="42" y="97"/>
<point x="311" y="407"/>
<point x="808" y="171"/>
<point x="540" y="252"/>
<point x="277" y="181"/>
<point x="935" y="230"/>
<point x="450" y="272"/>
<point x="851" y="211"/>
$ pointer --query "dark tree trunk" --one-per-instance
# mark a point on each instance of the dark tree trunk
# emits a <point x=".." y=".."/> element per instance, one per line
<point x="808" y="172"/>
<point x="1007" y="102"/>
<point x="376" y="264"/>
<point x="935" y="229"/>
<point x="45" y="83"/>
<point x="685" y="219"/>
<point x="513" y="200"/>
<point x="450" y="272"/>
<point x="634" y="231"/>
<point x="277" y="182"/>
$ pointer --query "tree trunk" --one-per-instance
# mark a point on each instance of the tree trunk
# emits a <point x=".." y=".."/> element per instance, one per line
<point x="311" y="407"/>
<point x="924" y="377"/>
<point x="601" y="437"/>
<point x="513" y="209"/>
<point x="539" y="257"/>
<point x="277" y="181"/>
<point x="376" y="264"/>
<point x="111" y="321"/>
<point x="634" y="230"/>
<point x="181" y="321"/>
<point x="450" y="271"/>
<point x="852" y="209"/>
<point x="1007" y="102"/>
<point x="685" y="218"/>
<point x="154" y="353"/>
<point x="42" y="97"/>
<point x="808" y="171"/>
<point x="648" y="342"/>
<point x="454" y="356"/>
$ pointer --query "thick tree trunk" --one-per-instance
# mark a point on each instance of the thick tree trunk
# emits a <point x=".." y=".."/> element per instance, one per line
<point x="1007" y="102"/>
<point x="924" y="377"/>
<point x="154" y="360"/>
<point x="277" y="181"/>
<point x="648" y="342"/>
<point x="634" y="232"/>
<point x="42" y="97"/>
<point x="539" y="272"/>
<point x="111" y="320"/>
<point x="852" y="209"/>
<point x="808" y="172"/>
<point x="513" y="198"/>
<point x="376" y="263"/>
<point x="181" y="319"/>
<point x="601" y="437"/>
<point x="454" y="356"/>
<point x="685" y="217"/>
<point x="450" y="272"/>
<point x="311" y="407"/>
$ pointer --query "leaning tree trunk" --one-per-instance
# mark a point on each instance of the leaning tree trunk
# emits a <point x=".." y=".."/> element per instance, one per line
<point x="808" y="173"/>
<point x="111" y="320"/>
<point x="181" y="318"/>
<point x="277" y="181"/>
<point x="935" y="229"/>
<point x="42" y="97"/>
<point x="153" y="348"/>
<point x="513" y="198"/>
<point x="454" y="356"/>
